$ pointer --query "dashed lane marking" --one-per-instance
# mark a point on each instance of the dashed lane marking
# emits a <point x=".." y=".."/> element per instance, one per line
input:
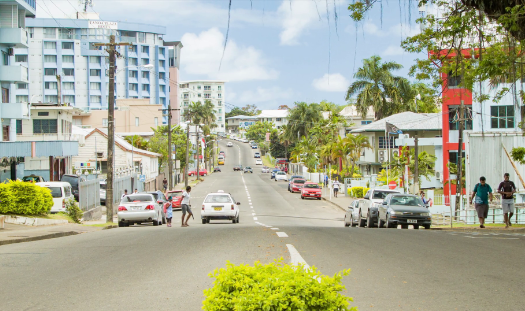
<point x="282" y="234"/>
<point x="254" y="218"/>
<point x="295" y="257"/>
<point x="275" y="228"/>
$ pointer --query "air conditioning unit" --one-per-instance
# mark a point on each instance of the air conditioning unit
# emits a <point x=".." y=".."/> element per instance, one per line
<point x="100" y="154"/>
<point x="10" y="51"/>
<point x="439" y="175"/>
<point x="381" y="159"/>
<point x="382" y="153"/>
<point x="395" y="152"/>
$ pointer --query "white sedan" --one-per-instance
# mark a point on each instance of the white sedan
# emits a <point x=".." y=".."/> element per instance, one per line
<point x="220" y="205"/>
<point x="139" y="208"/>
<point x="281" y="176"/>
<point x="229" y="144"/>
<point x="258" y="162"/>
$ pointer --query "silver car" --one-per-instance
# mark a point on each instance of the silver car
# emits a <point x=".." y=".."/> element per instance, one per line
<point x="352" y="214"/>
<point x="139" y="208"/>
<point x="403" y="209"/>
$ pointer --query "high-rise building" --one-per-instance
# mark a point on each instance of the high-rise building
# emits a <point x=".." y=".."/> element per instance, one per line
<point x="202" y="90"/>
<point x="13" y="75"/>
<point x="65" y="66"/>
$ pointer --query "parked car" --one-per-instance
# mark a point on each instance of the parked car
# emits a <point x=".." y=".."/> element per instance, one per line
<point x="229" y="144"/>
<point x="139" y="208"/>
<point x="273" y="172"/>
<point x="248" y="169"/>
<point x="163" y="201"/>
<point x="258" y="162"/>
<point x="216" y="169"/>
<point x="311" y="190"/>
<point x="254" y="146"/>
<point x="73" y="180"/>
<point x="220" y="160"/>
<point x="176" y="198"/>
<point x="202" y="172"/>
<point x="222" y="153"/>
<point x="237" y="168"/>
<point x="403" y="209"/>
<point x="291" y="180"/>
<point x="257" y="155"/>
<point x="352" y="214"/>
<point x="265" y="169"/>
<point x="220" y="205"/>
<point x="33" y="178"/>
<point x="280" y="175"/>
<point x="368" y="208"/>
<point x="60" y="191"/>
<point x="297" y="184"/>
<point x="103" y="192"/>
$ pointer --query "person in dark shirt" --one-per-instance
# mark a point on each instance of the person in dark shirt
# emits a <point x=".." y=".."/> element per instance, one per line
<point x="507" y="188"/>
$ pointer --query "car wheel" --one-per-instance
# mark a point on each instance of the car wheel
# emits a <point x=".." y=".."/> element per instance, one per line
<point x="362" y="222"/>
<point x="163" y="220"/>
<point x="126" y="224"/>
<point x="238" y="217"/>
<point x="346" y="224"/>
<point x="204" y="221"/>
<point x="380" y="223"/>
<point x="208" y="220"/>
<point x="369" y="221"/>
<point x="416" y="226"/>
<point x="302" y="197"/>
<point x="234" y="220"/>
<point x="319" y="199"/>
<point x="120" y="224"/>
<point x="426" y="227"/>
<point x="388" y="223"/>
<point x="352" y="222"/>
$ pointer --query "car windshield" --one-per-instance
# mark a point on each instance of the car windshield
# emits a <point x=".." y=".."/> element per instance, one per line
<point x="73" y="181"/>
<point x="218" y="198"/>
<point x="56" y="192"/>
<point x="406" y="200"/>
<point x="31" y="178"/>
<point x="137" y="198"/>
<point x="299" y="181"/>
<point x="313" y="186"/>
<point x="176" y="194"/>
<point x="380" y="195"/>
<point x="103" y="186"/>
<point x="281" y="173"/>
<point x="248" y="168"/>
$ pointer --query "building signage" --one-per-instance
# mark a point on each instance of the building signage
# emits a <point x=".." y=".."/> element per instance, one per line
<point x="85" y="165"/>
<point x="142" y="178"/>
<point x="246" y="124"/>
<point x="103" y="25"/>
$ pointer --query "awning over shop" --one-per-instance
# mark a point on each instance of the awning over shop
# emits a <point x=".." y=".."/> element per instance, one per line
<point x="38" y="148"/>
<point x="367" y="163"/>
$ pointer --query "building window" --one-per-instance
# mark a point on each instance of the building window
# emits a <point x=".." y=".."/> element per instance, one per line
<point x="50" y="33"/>
<point x="219" y="95"/>
<point x="162" y="63"/>
<point x="31" y="32"/>
<point x="18" y="127"/>
<point x="94" y="72"/>
<point x="133" y="74"/>
<point x="50" y="59"/>
<point x="137" y="121"/>
<point x="68" y="99"/>
<point x="199" y="95"/>
<point x="142" y="37"/>
<point x="21" y="86"/>
<point x="453" y="157"/>
<point x="144" y="61"/>
<point x="43" y="114"/>
<point x="220" y="118"/>
<point x="68" y="72"/>
<point x="198" y="87"/>
<point x="67" y="45"/>
<point x="383" y="142"/>
<point x="453" y="117"/>
<point x="105" y="122"/>
<point x="94" y="86"/>
<point x="365" y="122"/>
<point x="222" y="125"/>
<point x="68" y="59"/>
<point x="220" y="103"/>
<point x="502" y="117"/>
<point x="453" y="81"/>
<point x="5" y="95"/>
<point x="220" y="110"/>
<point x="51" y="85"/>
<point x="207" y="88"/>
<point x="133" y="61"/>
<point x="68" y="85"/>
<point x="94" y="59"/>
<point x="21" y="58"/>
<point x="145" y="49"/>
<point x="52" y="99"/>
<point x="5" y="58"/>
<point x="186" y="104"/>
<point x="22" y="98"/>
<point x="132" y="49"/>
<point x="145" y="74"/>
<point x="145" y="87"/>
<point x="219" y="88"/>
<point x="50" y="72"/>
<point x="133" y="87"/>
<point x="93" y="47"/>
<point x="269" y="119"/>
<point x="278" y="119"/>
<point x="162" y="88"/>
<point x="44" y="126"/>
<point x="156" y="121"/>
<point x="65" y="33"/>
<point x="95" y="99"/>
<point x="207" y="95"/>
<point x="50" y="45"/>
<point x="162" y="75"/>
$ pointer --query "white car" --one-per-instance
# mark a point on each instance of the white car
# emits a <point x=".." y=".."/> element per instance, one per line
<point x="60" y="191"/>
<point x="265" y="169"/>
<point x="220" y="205"/>
<point x="258" y="162"/>
<point x="139" y="208"/>
<point x="229" y="144"/>
<point x="281" y="176"/>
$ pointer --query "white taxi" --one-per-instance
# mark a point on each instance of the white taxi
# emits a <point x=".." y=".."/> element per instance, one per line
<point x="220" y="205"/>
<point x="229" y="144"/>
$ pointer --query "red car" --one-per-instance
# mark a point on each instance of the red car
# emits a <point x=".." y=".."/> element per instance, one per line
<point x="202" y="172"/>
<point x="176" y="198"/>
<point x="311" y="190"/>
<point x="297" y="185"/>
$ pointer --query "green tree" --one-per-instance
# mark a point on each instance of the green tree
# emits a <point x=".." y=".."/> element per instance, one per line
<point x="426" y="164"/>
<point x="257" y="132"/>
<point x="306" y="151"/>
<point x="301" y="118"/>
<point x="158" y="143"/>
<point x="137" y="141"/>
<point x="357" y="144"/>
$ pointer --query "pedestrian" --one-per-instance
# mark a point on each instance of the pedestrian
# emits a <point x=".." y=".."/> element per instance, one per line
<point x="185" y="206"/>
<point x="482" y="193"/>
<point x="507" y="188"/>
<point x="165" y="184"/>
<point x="326" y="181"/>
<point x="426" y="201"/>
<point x="336" y="187"/>
<point x="168" y="211"/>
<point x="125" y="193"/>
<point x="136" y="191"/>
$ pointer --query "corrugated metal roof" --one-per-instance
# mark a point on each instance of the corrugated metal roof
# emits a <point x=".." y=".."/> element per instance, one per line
<point x="406" y="121"/>
<point x="56" y="148"/>
<point x="15" y="149"/>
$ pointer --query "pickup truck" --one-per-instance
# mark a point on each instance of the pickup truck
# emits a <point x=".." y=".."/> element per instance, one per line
<point x="369" y="204"/>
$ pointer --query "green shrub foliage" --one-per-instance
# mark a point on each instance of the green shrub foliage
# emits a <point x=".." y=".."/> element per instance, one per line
<point x="24" y="198"/>
<point x="73" y="210"/>
<point x="275" y="287"/>
<point x="357" y="192"/>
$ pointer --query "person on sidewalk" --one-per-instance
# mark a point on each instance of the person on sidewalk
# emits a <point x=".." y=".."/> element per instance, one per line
<point x="185" y="206"/>
<point x="168" y="211"/>
<point x="136" y="191"/>
<point x="125" y="193"/>
<point x="165" y="184"/>
<point x="336" y="187"/>
<point x="482" y="192"/>
<point x="507" y="188"/>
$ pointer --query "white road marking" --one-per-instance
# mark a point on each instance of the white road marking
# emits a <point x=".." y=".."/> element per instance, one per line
<point x="253" y="214"/>
<point x="295" y="257"/>
<point x="251" y="206"/>
<point x="275" y="228"/>
<point x="254" y="218"/>
<point x="282" y="234"/>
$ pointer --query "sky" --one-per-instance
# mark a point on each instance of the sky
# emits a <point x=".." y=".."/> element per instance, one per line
<point x="278" y="51"/>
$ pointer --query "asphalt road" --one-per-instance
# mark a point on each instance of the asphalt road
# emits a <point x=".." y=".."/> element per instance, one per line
<point x="146" y="267"/>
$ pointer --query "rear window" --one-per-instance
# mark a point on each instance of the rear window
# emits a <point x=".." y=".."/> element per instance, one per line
<point x="221" y="158"/>
<point x="103" y="186"/>
<point x="218" y="198"/>
<point x="137" y="198"/>
<point x="299" y="181"/>
<point x="379" y="195"/>
<point x="312" y="186"/>
<point x="73" y="181"/>
<point x="281" y="173"/>
<point x="175" y="194"/>
<point x="56" y="192"/>
<point x="406" y="200"/>
<point x="67" y="191"/>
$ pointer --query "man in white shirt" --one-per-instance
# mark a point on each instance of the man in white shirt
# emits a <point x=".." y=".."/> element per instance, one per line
<point x="125" y="193"/>
<point x="185" y="206"/>
<point x="336" y="187"/>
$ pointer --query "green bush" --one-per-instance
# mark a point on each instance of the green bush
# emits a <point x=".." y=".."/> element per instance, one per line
<point x="73" y="210"/>
<point x="25" y="198"/>
<point x="275" y="286"/>
<point x="356" y="192"/>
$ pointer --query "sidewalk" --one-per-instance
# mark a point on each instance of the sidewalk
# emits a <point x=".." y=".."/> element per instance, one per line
<point x="341" y="201"/>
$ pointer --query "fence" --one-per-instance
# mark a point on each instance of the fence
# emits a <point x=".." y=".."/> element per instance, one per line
<point x="89" y="194"/>
<point x="119" y="185"/>
<point x="470" y="217"/>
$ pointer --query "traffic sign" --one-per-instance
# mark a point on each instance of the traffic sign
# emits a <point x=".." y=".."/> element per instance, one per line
<point x="142" y="178"/>
<point x="392" y="185"/>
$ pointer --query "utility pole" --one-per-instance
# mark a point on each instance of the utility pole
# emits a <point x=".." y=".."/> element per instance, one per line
<point x="198" y="143"/>
<point x="187" y="155"/>
<point x="111" y="123"/>
<point x="59" y="89"/>
<point x="416" y="166"/>
<point x="460" y="155"/>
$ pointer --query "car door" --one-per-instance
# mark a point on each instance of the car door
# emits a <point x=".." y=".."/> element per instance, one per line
<point x="365" y="204"/>
<point x="383" y="208"/>
<point x="350" y="211"/>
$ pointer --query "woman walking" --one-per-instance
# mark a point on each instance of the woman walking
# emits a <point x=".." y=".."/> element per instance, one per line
<point x="168" y="211"/>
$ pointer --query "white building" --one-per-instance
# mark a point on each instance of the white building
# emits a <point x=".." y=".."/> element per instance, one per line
<point x="278" y="117"/>
<point x="202" y="90"/>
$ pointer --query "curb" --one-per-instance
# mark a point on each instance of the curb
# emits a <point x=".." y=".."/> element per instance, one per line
<point x="337" y="205"/>
<point x="109" y="227"/>
<point x="38" y="238"/>
<point x="495" y="230"/>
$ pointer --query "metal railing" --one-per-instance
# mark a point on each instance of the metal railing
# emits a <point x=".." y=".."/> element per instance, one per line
<point x="470" y="217"/>
<point x="89" y="194"/>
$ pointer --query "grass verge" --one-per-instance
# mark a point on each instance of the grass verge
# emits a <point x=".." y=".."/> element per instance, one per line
<point x="267" y="162"/>
<point x="58" y="216"/>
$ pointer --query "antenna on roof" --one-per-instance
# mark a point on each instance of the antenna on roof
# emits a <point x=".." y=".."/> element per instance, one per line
<point x="86" y="3"/>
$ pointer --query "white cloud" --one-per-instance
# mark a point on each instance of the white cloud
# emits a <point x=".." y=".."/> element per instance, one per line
<point x="203" y="52"/>
<point x="397" y="30"/>
<point x="261" y="95"/>
<point x="393" y="50"/>
<point x="334" y="82"/>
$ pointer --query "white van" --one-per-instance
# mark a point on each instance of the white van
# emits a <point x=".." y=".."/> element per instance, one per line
<point x="61" y="191"/>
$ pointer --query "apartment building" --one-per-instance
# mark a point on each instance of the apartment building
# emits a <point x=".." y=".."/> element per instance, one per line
<point x="202" y="90"/>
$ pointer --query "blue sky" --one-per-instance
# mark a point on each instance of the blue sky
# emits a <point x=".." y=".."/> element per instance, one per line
<point x="277" y="52"/>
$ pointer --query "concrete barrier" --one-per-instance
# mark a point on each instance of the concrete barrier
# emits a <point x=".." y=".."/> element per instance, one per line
<point x="2" y="221"/>
<point x="28" y="221"/>
<point x="93" y="214"/>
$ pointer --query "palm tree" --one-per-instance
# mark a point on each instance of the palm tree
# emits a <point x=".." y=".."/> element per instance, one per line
<point x="137" y="141"/>
<point x="377" y="87"/>
<point x="358" y="143"/>
<point x="341" y="149"/>
<point x="302" y="117"/>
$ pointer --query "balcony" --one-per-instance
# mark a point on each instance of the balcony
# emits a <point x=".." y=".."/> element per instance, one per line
<point x="14" y="111"/>
<point x="14" y="37"/>
<point x="14" y="74"/>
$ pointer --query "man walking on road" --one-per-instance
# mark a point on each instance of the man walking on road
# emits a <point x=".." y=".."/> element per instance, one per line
<point x="185" y="206"/>
<point x="482" y="191"/>
<point x="336" y="187"/>
<point x="507" y="188"/>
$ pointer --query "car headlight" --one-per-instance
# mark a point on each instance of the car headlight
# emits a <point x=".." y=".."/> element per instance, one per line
<point x="425" y="214"/>
<point x="392" y="212"/>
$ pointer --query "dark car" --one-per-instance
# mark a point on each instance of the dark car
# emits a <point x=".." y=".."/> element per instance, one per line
<point x="403" y="209"/>
<point x="237" y="168"/>
<point x="257" y="155"/>
<point x="248" y="169"/>
<point x="216" y="169"/>
<point x="73" y="180"/>
<point x="33" y="178"/>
